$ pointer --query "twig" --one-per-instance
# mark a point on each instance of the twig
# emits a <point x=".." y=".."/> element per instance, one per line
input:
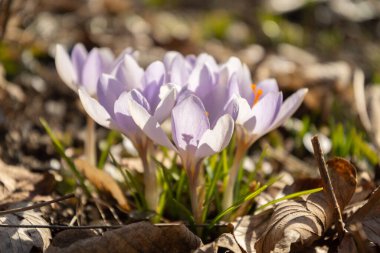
<point x="22" y="209"/>
<point x="101" y="226"/>
<point x="318" y="154"/>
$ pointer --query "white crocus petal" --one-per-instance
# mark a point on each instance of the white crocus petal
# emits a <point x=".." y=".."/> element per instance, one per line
<point x="65" y="68"/>
<point x="130" y="73"/>
<point x="215" y="140"/>
<point x="289" y="107"/>
<point x="265" y="112"/>
<point x="148" y="123"/>
<point x="166" y="104"/>
<point x="94" y="109"/>
<point x="245" y="111"/>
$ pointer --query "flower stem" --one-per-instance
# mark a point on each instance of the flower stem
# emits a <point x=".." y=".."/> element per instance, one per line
<point x="152" y="191"/>
<point x="90" y="141"/>
<point x="196" y="188"/>
<point x="228" y="196"/>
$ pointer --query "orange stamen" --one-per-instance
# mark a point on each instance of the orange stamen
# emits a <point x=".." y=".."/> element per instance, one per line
<point x="207" y="114"/>
<point x="257" y="93"/>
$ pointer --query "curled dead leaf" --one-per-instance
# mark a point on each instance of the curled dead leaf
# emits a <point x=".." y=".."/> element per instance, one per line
<point x="22" y="240"/>
<point x="369" y="217"/>
<point x="225" y="241"/>
<point x="141" y="237"/>
<point x="249" y="228"/>
<point x="103" y="181"/>
<point x="299" y="222"/>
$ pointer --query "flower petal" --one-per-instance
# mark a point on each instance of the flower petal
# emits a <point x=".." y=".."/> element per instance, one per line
<point x="201" y="81"/>
<point x="108" y="91"/>
<point x="130" y="73"/>
<point x="164" y="108"/>
<point x="154" y="77"/>
<point x="265" y="112"/>
<point x="122" y="114"/>
<point x="78" y="58"/>
<point x="289" y="107"/>
<point x="65" y="68"/>
<point x="148" y="124"/>
<point x="94" y="109"/>
<point x="189" y="122"/>
<point x="92" y="69"/>
<point x="268" y="85"/>
<point x="245" y="111"/>
<point x="215" y="140"/>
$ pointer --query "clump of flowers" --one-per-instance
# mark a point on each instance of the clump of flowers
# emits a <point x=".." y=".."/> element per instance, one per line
<point x="206" y="103"/>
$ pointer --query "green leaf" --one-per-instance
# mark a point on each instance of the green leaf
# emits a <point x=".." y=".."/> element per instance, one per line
<point x="290" y="196"/>
<point x="238" y="203"/>
<point x="61" y="151"/>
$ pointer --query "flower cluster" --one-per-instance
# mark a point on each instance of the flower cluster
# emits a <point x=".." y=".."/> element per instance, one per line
<point x="205" y="101"/>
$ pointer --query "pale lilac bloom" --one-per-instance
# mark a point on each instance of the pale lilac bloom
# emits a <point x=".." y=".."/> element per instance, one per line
<point x="150" y="89"/>
<point x="83" y="68"/>
<point x="111" y="109"/>
<point x="260" y="110"/>
<point x="193" y="137"/>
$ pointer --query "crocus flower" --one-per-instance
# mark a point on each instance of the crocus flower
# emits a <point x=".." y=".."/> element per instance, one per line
<point x="111" y="109"/>
<point x="260" y="110"/>
<point x="82" y="68"/>
<point x="193" y="137"/>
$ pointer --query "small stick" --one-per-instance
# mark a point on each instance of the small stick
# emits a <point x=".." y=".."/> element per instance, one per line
<point x="318" y="154"/>
<point x="101" y="226"/>
<point x="22" y="209"/>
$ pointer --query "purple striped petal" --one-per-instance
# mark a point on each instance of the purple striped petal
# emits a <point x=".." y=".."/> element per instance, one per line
<point x="189" y="122"/>
<point x="148" y="124"/>
<point x="215" y="140"/>
<point x="92" y="70"/>
<point x="78" y="58"/>
<point x="130" y="73"/>
<point x="288" y="108"/>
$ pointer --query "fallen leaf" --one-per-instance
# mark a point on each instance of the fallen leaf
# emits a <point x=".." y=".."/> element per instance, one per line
<point x="343" y="178"/>
<point x="369" y="216"/>
<point x="347" y="245"/>
<point x="22" y="240"/>
<point x="225" y="241"/>
<point x="18" y="183"/>
<point x="298" y="222"/>
<point x="142" y="237"/>
<point x="103" y="181"/>
<point x="248" y="228"/>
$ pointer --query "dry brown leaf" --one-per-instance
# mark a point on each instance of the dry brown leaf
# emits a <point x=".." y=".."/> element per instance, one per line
<point x="7" y="185"/>
<point x="343" y="178"/>
<point x="141" y="237"/>
<point x="17" y="183"/>
<point x="298" y="223"/>
<point x="225" y="241"/>
<point x="369" y="216"/>
<point x="249" y="228"/>
<point x="22" y="240"/>
<point x="103" y="181"/>
<point x="347" y="245"/>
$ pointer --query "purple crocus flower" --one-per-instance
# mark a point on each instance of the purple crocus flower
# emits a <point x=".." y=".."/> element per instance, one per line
<point x="193" y="137"/>
<point x="82" y="68"/>
<point x="110" y="109"/>
<point x="261" y="109"/>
